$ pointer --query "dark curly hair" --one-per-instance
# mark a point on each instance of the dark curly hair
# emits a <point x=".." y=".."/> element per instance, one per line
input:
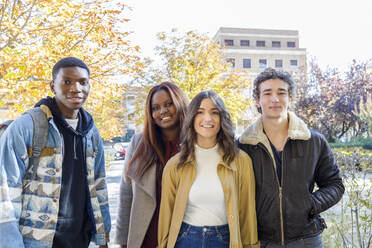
<point x="271" y="73"/>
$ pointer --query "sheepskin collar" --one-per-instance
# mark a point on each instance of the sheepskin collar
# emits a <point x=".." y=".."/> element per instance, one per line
<point x="254" y="134"/>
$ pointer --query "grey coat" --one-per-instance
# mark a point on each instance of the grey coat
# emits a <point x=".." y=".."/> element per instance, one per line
<point x="137" y="202"/>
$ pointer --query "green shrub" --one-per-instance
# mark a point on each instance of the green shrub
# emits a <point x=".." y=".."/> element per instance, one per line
<point x="350" y="221"/>
<point x="357" y="143"/>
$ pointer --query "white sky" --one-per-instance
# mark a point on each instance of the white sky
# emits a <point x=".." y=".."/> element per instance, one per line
<point x="335" y="32"/>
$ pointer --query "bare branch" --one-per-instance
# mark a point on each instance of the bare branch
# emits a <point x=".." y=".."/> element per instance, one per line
<point x="14" y="6"/>
<point x="369" y="243"/>
<point x="23" y="26"/>
<point x="87" y="33"/>
<point x="83" y="38"/>
<point x="21" y="14"/>
<point x="3" y="13"/>
<point x="108" y="54"/>
<point x="44" y="29"/>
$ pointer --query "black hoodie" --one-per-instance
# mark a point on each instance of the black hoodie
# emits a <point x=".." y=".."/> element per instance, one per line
<point x="74" y="227"/>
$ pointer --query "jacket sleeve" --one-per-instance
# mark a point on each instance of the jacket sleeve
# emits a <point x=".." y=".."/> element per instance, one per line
<point x="13" y="164"/>
<point x="101" y="188"/>
<point x="125" y="198"/>
<point x="168" y="196"/>
<point x="328" y="179"/>
<point x="247" y="203"/>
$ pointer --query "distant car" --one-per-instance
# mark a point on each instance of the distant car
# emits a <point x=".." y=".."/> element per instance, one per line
<point x="121" y="150"/>
<point x="120" y="155"/>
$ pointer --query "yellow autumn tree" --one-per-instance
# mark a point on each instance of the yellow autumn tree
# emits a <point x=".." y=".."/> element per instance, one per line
<point x="195" y="63"/>
<point x="35" y="34"/>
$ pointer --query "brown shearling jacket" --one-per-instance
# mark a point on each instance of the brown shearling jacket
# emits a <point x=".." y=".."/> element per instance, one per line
<point x="289" y="210"/>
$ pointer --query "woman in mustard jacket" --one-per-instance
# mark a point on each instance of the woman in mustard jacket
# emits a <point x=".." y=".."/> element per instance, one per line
<point x="208" y="189"/>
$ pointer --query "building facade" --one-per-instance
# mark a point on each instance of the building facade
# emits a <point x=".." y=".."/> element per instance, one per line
<point x="253" y="50"/>
<point x="256" y="49"/>
<point x="369" y="67"/>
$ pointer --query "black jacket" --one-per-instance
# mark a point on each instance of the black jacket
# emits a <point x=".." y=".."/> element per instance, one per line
<point x="292" y="211"/>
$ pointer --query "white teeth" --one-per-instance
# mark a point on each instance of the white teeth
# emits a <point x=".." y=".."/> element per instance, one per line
<point x="165" y="118"/>
<point x="207" y="126"/>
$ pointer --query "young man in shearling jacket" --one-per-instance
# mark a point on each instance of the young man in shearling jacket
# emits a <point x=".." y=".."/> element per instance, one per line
<point x="288" y="160"/>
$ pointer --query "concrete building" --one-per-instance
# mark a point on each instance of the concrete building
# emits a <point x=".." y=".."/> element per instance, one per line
<point x="256" y="49"/>
<point x="369" y="67"/>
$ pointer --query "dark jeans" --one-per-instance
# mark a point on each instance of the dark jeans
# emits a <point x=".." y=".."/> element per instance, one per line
<point x="313" y="242"/>
<point x="203" y="237"/>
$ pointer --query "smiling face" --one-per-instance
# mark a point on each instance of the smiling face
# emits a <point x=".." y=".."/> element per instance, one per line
<point x="71" y="89"/>
<point x="273" y="98"/>
<point x="164" y="112"/>
<point x="207" y="124"/>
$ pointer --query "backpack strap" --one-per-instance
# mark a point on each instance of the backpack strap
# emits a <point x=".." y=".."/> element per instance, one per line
<point x="95" y="141"/>
<point x="41" y="129"/>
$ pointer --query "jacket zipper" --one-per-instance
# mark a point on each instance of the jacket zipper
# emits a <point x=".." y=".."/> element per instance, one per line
<point x="281" y="198"/>
<point x="280" y="192"/>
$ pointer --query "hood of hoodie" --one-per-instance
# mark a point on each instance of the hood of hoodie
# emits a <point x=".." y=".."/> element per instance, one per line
<point x="85" y="119"/>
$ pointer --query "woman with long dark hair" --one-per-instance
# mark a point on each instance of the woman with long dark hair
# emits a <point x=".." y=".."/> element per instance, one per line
<point x="208" y="189"/>
<point x="140" y="188"/>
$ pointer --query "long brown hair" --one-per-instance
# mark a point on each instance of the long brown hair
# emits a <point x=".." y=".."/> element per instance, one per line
<point x="151" y="148"/>
<point x="225" y="137"/>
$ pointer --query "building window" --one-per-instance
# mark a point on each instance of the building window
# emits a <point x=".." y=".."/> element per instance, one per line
<point x="260" y="43"/>
<point x="293" y="62"/>
<point x="262" y="63"/>
<point x="291" y="44"/>
<point x="246" y="63"/>
<point x="244" y="42"/>
<point x="232" y="61"/>
<point x="275" y="44"/>
<point x="229" y="42"/>
<point x="278" y="63"/>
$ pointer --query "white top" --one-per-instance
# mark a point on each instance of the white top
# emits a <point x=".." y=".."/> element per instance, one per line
<point x="206" y="202"/>
<point x="72" y="122"/>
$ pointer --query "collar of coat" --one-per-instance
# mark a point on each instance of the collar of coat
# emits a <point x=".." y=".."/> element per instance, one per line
<point x="297" y="130"/>
<point x="254" y="134"/>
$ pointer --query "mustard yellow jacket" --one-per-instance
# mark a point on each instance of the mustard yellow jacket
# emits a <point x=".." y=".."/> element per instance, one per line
<point x="239" y="191"/>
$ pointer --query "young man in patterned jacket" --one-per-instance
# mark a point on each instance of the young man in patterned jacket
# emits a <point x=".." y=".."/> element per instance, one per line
<point x="63" y="201"/>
